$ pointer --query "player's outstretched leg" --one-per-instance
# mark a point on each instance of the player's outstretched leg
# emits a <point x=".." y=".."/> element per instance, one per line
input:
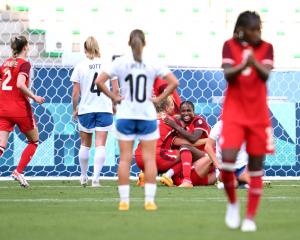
<point x="254" y="193"/>
<point x="232" y="217"/>
<point x="148" y="154"/>
<point x="123" y="173"/>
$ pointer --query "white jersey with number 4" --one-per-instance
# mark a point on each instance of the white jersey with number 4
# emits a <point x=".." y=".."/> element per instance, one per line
<point x="242" y="157"/>
<point x="92" y="100"/>
<point x="136" y="84"/>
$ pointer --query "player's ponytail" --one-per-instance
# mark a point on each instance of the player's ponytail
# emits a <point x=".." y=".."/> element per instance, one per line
<point x="137" y="42"/>
<point x="17" y="45"/>
<point x="91" y="48"/>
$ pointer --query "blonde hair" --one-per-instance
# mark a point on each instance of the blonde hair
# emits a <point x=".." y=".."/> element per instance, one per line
<point x="162" y="105"/>
<point x="137" y="42"/>
<point x="91" y="48"/>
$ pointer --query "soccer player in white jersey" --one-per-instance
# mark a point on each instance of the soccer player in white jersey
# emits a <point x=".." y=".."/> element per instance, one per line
<point x="213" y="149"/>
<point x="94" y="112"/>
<point x="136" y="116"/>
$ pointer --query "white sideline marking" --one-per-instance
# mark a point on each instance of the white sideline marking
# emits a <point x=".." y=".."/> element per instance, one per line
<point x="58" y="186"/>
<point x="216" y="199"/>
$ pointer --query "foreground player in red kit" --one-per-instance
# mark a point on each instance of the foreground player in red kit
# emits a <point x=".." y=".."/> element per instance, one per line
<point x="247" y="61"/>
<point x="15" y="108"/>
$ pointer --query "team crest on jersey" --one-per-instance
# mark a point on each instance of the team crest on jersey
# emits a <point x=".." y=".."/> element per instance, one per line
<point x="200" y="121"/>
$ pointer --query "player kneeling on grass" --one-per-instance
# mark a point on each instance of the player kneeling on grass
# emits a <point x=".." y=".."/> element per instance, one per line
<point x="15" y="108"/>
<point x="165" y="156"/>
<point x="192" y="131"/>
<point x="94" y="112"/>
<point x="247" y="61"/>
<point x="213" y="149"/>
<point x="136" y="115"/>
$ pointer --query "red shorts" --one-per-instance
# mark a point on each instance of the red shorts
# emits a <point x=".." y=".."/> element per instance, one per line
<point x="258" y="138"/>
<point x="165" y="160"/>
<point x="25" y="124"/>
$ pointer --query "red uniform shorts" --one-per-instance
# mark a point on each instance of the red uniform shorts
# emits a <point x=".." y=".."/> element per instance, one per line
<point x="258" y="138"/>
<point x="164" y="160"/>
<point x="25" y="124"/>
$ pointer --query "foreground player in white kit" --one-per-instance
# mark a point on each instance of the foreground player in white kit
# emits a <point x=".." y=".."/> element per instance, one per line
<point x="136" y="114"/>
<point x="213" y="149"/>
<point x="94" y="112"/>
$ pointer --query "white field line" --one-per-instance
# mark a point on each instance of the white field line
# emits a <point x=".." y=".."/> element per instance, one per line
<point x="200" y="199"/>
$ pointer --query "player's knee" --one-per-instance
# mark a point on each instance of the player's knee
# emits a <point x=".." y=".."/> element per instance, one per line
<point x="184" y="147"/>
<point x="255" y="163"/>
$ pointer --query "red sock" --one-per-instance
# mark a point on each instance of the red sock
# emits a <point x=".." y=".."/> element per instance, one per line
<point x="254" y="194"/>
<point x="229" y="185"/>
<point x="2" y="149"/>
<point x="26" y="156"/>
<point x="186" y="160"/>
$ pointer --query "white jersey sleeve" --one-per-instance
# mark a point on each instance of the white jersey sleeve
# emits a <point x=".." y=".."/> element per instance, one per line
<point x="216" y="131"/>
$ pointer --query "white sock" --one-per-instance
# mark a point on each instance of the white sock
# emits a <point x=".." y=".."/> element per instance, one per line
<point x="124" y="193"/>
<point x="150" y="191"/>
<point x="84" y="153"/>
<point x="99" y="160"/>
<point x="170" y="173"/>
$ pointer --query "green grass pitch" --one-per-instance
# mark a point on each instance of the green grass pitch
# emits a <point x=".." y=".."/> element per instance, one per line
<point x="64" y="210"/>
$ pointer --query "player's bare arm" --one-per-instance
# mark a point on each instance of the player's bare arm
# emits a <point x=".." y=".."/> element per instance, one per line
<point x="100" y="82"/>
<point x="172" y="85"/>
<point x="209" y="148"/>
<point x="191" y="137"/>
<point x="178" y="141"/>
<point x="231" y="72"/>
<point x="21" y="84"/>
<point x="75" y="98"/>
<point x="262" y="69"/>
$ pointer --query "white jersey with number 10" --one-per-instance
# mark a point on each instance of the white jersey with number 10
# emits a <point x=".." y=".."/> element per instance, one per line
<point x="92" y="100"/>
<point x="136" y="84"/>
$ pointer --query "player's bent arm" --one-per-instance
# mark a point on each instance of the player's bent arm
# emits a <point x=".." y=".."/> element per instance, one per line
<point x="75" y="98"/>
<point x="115" y="86"/>
<point x="100" y="82"/>
<point x="181" y="141"/>
<point x="231" y="72"/>
<point x="209" y="149"/>
<point x="21" y="85"/>
<point x="263" y="70"/>
<point x="173" y="83"/>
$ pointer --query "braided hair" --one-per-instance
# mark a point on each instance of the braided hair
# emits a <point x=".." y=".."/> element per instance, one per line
<point x="244" y="20"/>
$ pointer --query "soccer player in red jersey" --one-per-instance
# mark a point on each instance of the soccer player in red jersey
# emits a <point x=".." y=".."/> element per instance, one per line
<point x="15" y="108"/>
<point x="193" y="128"/>
<point x="159" y="86"/>
<point x="247" y="62"/>
<point x="165" y="156"/>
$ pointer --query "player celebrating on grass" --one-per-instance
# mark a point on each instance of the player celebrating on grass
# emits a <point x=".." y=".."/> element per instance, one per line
<point x="136" y="115"/>
<point x="94" y="112"/>
<point x="15" y="108"/>
<point x="247" y="61"/>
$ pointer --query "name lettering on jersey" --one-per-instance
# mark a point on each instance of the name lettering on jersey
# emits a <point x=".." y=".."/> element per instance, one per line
<point x="94" y="66"/>
<point x="138" y="65"/>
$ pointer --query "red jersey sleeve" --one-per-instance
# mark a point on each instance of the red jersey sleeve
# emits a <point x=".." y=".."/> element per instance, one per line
<point x="202" y="125"/>
<point x="227" y="57"/>
<point x="25" y="69"/>
<point x="269" y="56"/>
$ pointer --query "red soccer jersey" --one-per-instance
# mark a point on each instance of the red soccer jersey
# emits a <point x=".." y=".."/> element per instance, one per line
<point x="13" y="103"/>
<point x="199" y="123"/>
<point x="159" y="86"/>
<point x="165" y="140"/>
<point x="246" y="97"/>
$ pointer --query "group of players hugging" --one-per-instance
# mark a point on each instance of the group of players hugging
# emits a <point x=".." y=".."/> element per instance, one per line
<point x="174" y="141"/>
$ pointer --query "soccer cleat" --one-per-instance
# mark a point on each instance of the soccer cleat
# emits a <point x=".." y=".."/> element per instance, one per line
<point x="20" y="178"/>
<point x="84" y="180"/>
<point x="186" y="184"/>
<point x="167" y="181"/>
<point x="150" y="206"/>
<point x="95" y="183"/>
<point x="220" y="185"/>
<point x="232" y="218"/>
<point x="248" y="225"/>
<point x="141" y="180"/>
<point x="267" y="184"/>
<point x="123" y="206"/>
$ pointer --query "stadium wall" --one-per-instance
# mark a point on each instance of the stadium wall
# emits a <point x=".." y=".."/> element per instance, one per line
<point x="57" y="155"/>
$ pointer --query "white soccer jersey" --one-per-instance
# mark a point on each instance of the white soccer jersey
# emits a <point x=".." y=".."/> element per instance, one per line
<point x="242" y="158"/>
<point x="92" y="100"/>
<point x="136" y="84"/>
